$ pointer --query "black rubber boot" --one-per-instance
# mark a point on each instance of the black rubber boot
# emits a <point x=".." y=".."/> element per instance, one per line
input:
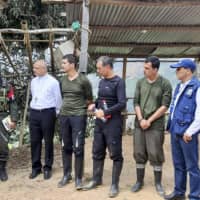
<point x="97" y="175"/>
<point x="174" y="196"/>
<point x="67" y="169"/>
<point x="3" y="173"/>
<point x="140" y="180"/>
<point x="117" y="168"/>
<point x="158" y="185"/>
<point x="78" y="172"/>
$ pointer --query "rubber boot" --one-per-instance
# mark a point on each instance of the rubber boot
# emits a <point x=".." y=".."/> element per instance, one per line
<point x="79" y="160"/>
<point x="3" y="172"/>
<point x="117" y="168"/>
<point x="67" y="169"/>
<point x="97" y="175"/>
<point x="158" y="185"/>
<point x="140" y="180"/>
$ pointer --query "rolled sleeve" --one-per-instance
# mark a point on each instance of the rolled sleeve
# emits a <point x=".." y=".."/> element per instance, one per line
<point x="88" y="90"/>
<point x="167" y="94"/>
<point x="136" y="99"/>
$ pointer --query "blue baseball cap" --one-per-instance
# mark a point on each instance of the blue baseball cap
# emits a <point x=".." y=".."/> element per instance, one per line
<point x="186" y="63"/>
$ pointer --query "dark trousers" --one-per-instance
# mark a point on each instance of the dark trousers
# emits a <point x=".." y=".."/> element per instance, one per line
<point x="4" y="139"/>
<point x="148" y="145"/>
<point x="185" y="159"/>
<point x="108" y="135"/>
<point x="42" y="125"/>
<point x="72" y="129"/>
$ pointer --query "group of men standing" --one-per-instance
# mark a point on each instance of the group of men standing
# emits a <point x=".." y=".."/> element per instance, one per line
<point x="73" y="97"/>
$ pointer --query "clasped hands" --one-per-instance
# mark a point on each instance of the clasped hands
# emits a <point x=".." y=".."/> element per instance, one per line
<point x="99" y="113"/>
<point x="145" y="124"/>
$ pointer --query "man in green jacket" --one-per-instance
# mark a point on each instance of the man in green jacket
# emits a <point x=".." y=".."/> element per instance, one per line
<point x="151" y="101"/>
<point x="8" y="106"/>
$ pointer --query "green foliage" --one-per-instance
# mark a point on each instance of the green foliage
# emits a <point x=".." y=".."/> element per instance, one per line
<point x="91" y="68"/>
<point x="38" y="15"/>
<point x="90" y="126"/>
<point x="15" y="135"/>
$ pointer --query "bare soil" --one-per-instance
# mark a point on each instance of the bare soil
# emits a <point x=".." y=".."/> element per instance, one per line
<point x="20" y="187"/>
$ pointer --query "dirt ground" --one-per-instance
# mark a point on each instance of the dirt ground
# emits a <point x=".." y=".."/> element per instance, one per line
<point x="19" y="186"/>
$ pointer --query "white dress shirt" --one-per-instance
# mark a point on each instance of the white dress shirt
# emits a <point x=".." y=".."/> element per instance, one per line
<point x="46" y="93"/>
<point x="195" y="125"/>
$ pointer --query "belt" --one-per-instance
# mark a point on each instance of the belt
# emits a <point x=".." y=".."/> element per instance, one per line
<point x="42" y="110"/>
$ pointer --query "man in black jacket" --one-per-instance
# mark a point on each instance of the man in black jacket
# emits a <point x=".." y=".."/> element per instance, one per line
<point x="108" y="126"/>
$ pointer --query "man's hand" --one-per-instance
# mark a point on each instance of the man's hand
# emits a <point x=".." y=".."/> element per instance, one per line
<point x="187" y="138"/>
<point x="91" y="107"/>
<point x="99" y="113"/>
<point x="12" y="125"/>
<point x="145" y="124"/>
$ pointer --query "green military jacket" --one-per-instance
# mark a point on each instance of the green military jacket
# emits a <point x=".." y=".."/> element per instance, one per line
<point x="8" y="102"/>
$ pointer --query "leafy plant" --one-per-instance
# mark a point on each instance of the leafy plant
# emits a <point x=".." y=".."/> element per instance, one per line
<point x="38" y="15"/>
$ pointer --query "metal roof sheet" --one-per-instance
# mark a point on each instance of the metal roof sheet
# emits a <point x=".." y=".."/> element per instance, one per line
<point x="116" y="24"/>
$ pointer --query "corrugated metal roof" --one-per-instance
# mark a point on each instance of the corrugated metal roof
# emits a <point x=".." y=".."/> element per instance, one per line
<point x="137" y="36"/>
<point x="107" y="16"/>
<point x="140" y="15"/>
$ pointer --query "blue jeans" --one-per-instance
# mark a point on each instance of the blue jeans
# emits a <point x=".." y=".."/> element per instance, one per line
<point x="185" y="159"/>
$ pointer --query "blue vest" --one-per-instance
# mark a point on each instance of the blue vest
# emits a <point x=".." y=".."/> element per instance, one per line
<point x="185" y="108"/>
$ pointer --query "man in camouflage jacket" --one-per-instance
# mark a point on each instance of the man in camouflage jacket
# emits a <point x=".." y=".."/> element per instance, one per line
<point x="8" y="106"/>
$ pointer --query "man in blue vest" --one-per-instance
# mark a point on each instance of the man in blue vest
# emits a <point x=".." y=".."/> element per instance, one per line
<point x="184" y="126"/>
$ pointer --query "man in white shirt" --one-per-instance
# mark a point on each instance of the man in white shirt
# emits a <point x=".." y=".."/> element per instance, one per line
<point x="45" y="104"/>
<point x="184" y="126"/>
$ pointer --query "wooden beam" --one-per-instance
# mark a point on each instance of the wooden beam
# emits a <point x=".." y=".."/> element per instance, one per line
<point x="60" y="1"/>
<point x="161" y="28"/>
<point x="42" y="41"/>
<point x="130" y="2"/>
<point x="159" y="3"/>
<point x="37" y="31"/>
<point x="5" y="49"/>
<point x="147" y="44"/>
<point x="115" y="55"/>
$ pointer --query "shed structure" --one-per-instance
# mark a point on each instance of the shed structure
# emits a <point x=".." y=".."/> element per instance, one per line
<point x="138" y="28"/>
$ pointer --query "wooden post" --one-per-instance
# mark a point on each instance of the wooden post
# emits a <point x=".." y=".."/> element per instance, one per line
<point x="28" y="44"/>
<point x="51" y="36"/>
<point x="29" y="50"/>
<point x="83" y="62"/>
<point x="124" y="68"/>
<point x="4" y="47"/>
<point x="23" y="125"/>
<point x="124" y="77"/>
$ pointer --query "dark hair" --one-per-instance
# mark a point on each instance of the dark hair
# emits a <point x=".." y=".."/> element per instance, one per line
<point x="154" y="61"/>
<point x="106" y="61"/>
<point x="71" y="58"/>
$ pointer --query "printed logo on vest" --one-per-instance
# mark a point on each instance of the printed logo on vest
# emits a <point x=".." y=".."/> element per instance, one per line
<point x="189" y="92"/>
